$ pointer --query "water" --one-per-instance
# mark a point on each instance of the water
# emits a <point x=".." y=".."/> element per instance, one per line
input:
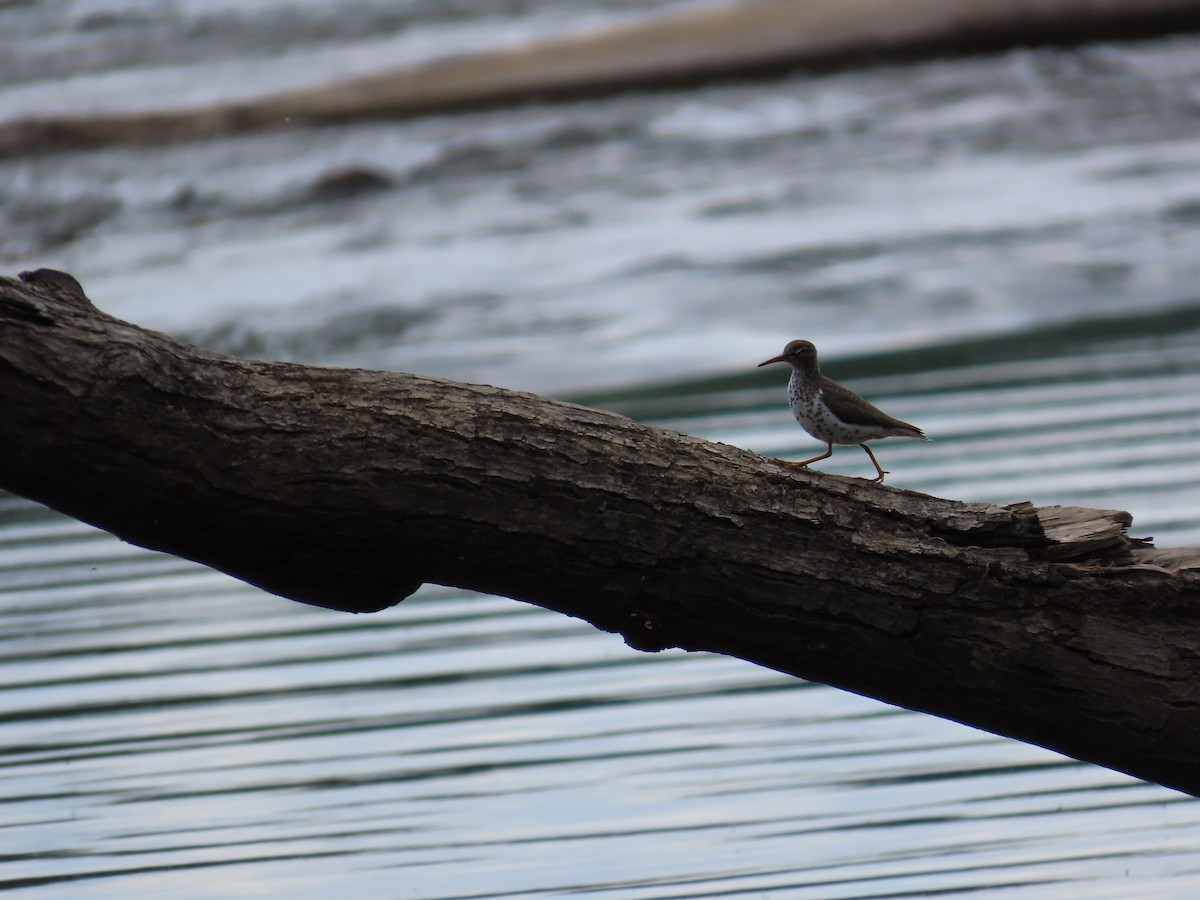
<point x="1002" y="250"/>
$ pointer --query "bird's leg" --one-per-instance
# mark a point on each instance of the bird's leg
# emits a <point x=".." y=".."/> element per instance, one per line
<point x="879" y="478"/>
<point x="798" y="465"/>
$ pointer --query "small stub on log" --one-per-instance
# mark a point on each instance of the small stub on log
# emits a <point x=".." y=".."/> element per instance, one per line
<point x="57" y="283"/>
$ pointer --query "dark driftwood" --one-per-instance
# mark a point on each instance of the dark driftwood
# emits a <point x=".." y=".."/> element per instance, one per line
<point x="349" y="488"/>
<point x="680" y="47"/>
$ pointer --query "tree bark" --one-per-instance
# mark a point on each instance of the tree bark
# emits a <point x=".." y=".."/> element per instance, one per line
<point x="349" y="488"/>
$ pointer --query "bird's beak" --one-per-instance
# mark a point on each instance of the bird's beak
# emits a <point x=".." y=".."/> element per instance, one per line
<point x="773" y="359"/>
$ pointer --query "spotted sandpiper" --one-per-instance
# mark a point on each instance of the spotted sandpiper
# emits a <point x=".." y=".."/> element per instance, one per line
<point x="832" y="413"/>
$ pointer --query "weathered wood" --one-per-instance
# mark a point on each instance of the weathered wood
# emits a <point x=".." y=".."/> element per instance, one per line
<point x="349" y="488"/>
<point x="679" y="47"/>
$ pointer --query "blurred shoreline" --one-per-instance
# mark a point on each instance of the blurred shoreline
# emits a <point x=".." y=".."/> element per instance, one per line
<point x="706" y="41"/>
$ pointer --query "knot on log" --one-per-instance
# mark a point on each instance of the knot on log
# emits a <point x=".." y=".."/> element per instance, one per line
<point x="57" y="285"/>
<point x="30" y="299"/>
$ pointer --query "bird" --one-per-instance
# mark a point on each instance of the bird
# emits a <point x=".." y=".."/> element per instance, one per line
<point x="832" y="413"/>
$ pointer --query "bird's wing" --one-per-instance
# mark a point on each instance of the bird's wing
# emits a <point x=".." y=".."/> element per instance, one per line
<point x="854" y="410"/>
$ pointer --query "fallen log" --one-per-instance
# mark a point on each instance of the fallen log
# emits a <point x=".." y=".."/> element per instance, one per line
<point x="681" y="47"/>
<point x="350" y="488"/>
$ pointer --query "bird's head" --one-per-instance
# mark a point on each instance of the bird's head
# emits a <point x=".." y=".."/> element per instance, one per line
<point x="801" y="354"/>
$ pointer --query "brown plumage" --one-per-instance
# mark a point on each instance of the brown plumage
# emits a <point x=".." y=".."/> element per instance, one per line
<point x="833" y="413"/>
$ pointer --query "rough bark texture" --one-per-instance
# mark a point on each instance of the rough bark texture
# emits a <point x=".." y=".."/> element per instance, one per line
<point x="349" y="488"/>
<point x="680" y="47"/>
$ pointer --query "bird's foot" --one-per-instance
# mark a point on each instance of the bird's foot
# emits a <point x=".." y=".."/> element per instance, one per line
<point x="792" y="464"/>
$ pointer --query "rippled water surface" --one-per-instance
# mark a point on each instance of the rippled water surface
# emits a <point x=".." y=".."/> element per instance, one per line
<point x="1002" y="249"/>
